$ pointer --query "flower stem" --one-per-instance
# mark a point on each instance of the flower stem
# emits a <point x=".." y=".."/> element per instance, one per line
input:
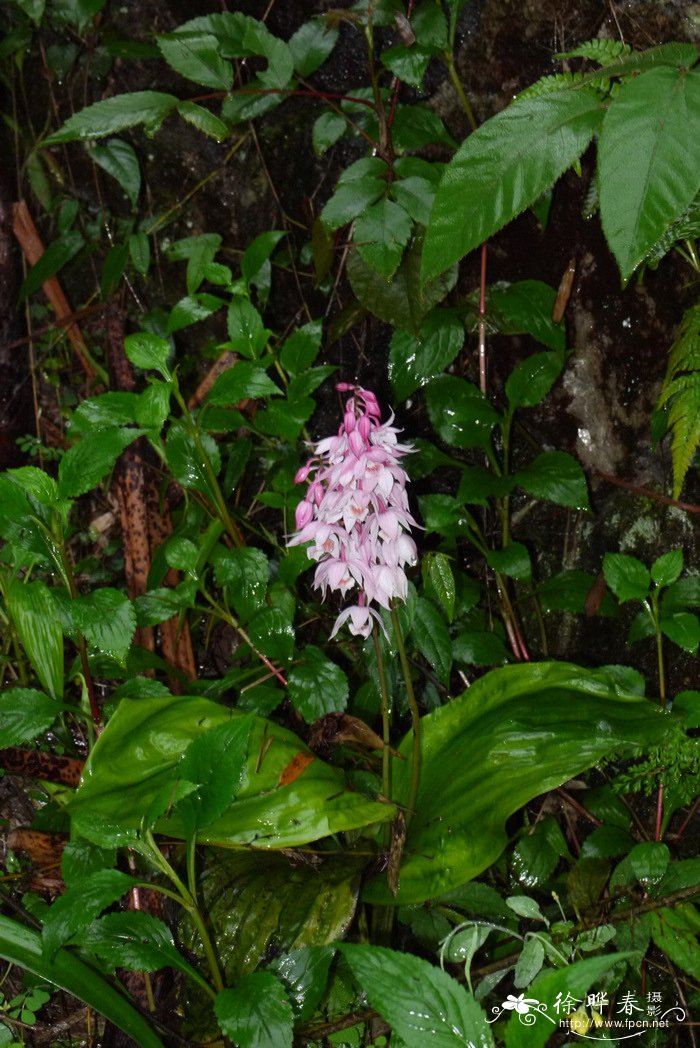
<point x="415" y="719"/>
<point x="386" y="727"/>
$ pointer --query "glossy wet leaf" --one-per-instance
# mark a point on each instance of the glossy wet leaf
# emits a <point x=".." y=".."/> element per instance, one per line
<point x="316" y="685"/>
<point x="675" y="932"/>
<point x="425" y="1006"/>
<point x="649" y="861"/>
<point x="51" y="262"/>
<point x="204" y="120"/>
<point x="515" y="733"/>
<point x="683" y="628"/>
<point x="525" y="307"/>
<point x="513" y="560"/>
<point x="240" y="36"/>
<point x="439" y="581"/>
<point x="137" y="941"/>
<point x="626" y="576"/>
<point x="90" y="460"/>
<point x="557" y="477"/>
<point x="112" y="115"/>
<point x="80" y="904"/>
<point x="241" y="381"/>
<point x="188" y="462"/>
<point x="460" y="413"/>
<point x="257" y="1013"/>
<point x="107" y="619"/>
<point x="311" y="45"/>
<point x="301" y="348"/>
<point x="503" y="167"/>
<point x="648" y="163"/>
<point x="530" y="382"/>
<point x="23" y="947"/>
<point x="33" y="612"/>
<point x="119" y="160"/>
<point x="259" y="903"/>
<point x="139" y="753"/>
<point x="148" y="351"/>
<point x="196" y="56"/>
<point x="215" y="763"/>
<point x="244" y="573"/>
<point x="381" y="233"/>
<point x="304" y="973"/>
<point x="415" y="360"/>
<point x="25" y="713"/>
<point x="529" y="963"/>
<point x="431" y="637"/>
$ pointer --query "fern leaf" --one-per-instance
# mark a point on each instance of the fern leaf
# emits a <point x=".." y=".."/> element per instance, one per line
<point x="681" y="394"/>
<point x="599" y="50"/>
<point x="686" y="227"/>
<point x="553" y="82"/>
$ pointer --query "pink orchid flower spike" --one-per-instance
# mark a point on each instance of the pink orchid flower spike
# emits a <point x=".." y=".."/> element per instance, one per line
<point x="355" y="513"/>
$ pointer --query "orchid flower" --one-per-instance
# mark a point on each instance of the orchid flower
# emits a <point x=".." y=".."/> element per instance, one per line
<point x="355" y="513"/>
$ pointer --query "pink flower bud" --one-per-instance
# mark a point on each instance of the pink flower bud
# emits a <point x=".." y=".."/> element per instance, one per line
<point x="344" y="387"/>
<point x="304" y="513"/>
<point x="303" y="472"/>
<point x="357" y="444"/>
<point x="349" y="421"/>
<point x="365" y="426"/>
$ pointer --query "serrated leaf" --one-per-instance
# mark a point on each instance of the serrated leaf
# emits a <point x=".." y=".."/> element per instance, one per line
<point x="116" y="114"/>
<point x="431" y="637"/>
<point x="240" y="36"/>
<point x="513" y="560"/>
<point x="245" y="574"/>
<point x="246" y="330"/>
<point x="215" y="763"/>
<point x="438" y="577"/>
<point x="107" y="619"/>
<point x="204" y="120"/>
<point x="90" y="460"/>
<point x="557" y="477"/>
<point x="311" y="45"/>
<point x="352" y="199"/>
<point x="529" y="963"/>
<point x="327" y="130"/>
<point x="479" y="648"/>
<point x="140" y="252"/>
<point x="305" y="975"/>
<point x="683" y="628"/>
<point x="503" y="167"/>
<point x="415" y="360"/>
<point x="188" y="462"/>
<point x="649" y="861"/>
<point x="675" y="931"/>
<point x="148" y="351"/>
<point x="241" y="381"/>
<point x="257" y="1013"/>
<point x="136" y="941"/>
<point x="667" y="567"/>
<point x="448" y="1016"/>
<point x="626" y="576"/>
<point x="33" y="612"/>
<point x="648" y="164"/>
<point x="119" y="160"/>
<point x="79" y="905"/>
<point x="317" y="686"/>
<point x="301" y="348"/>
<point x="530" y="382"/>
<point x="24" y="714"/>
<point x="381" y="233"/>
<point x="196" y="56"/>
<point x="525" y="307"/>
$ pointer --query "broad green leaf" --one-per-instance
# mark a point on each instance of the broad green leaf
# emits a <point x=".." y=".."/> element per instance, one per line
<point x="381" y="234"/>
<point x="257" y="904"/>
<point x="240" y="36"/>
<point x="431" y="637"/>
<point x="33" y="612"/>
<point x="113" y="269"/>
<point x="53" y="259"/>
<point x="81" y="858"/>
<point x="667" y="567"/>
<point x="567" y="591"/>
<point x="328" y="128"/>
<point x="137" y="941"/>
<point x="402" y="301"/>
<point x="311" y="45"/>
<point x="285" y="418"/>
<point x="89" y="461"/>
<point x="439" y="581"/>
<point x="246" y="330"/>
<point x="649" y="861"/>
<point x="648" y="163"/>
<point x="503" y="167"/>
<point x="23" y="947"/>
<point x="416" y="196"/>
<point x="272" y="634"/>
<point x="256" y="268"/>
<point x="530" y="382"/>
<point x="516" y="733"/>
<point x="191" y="309"/>
<point x="305" y="975"/>
<point x="529" y="963"/>
<point x="119" y="160"/>
<point x="675" y="932"/>
<point x="240" y="381"/>
<point x="140" y="253"/>
<point x="107" y="619"/>
<point x="105" y="411"/>
<point x="460" y="413"/>
<point x="352" y="199"/>
<point x="288" y="797"/>
<point x="415" y="360"/>
<point x="571" y="983"/>
<point x="188" y="463"/>
<point x="447" y="1016"/>
<point x="24" y="714"/>
<point x="408" y="64"/>
<point x="245" y="574"/>
<point x="115" y="114"/>
<point x="199" y="251"/>
<point x="416" y="126"/>
<point x="196" y="56"/>
<point x="683" y="628"/>
<point x="204" y="120"/>
<point x="479" y="648"/>
<point x="513" y="560"/>
<point x="215" y="762"/>
<point x="526" y="308"/>
<point x="257" y="1013"/>
<point x="301" y="348"/>
<point x="80" y="904"/>
<point x="556" y="476"/>
<point x="316" y="685"/>
<point x="626" y="576"/>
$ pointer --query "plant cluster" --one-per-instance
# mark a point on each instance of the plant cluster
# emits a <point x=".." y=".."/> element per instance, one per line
<point x="422" y="830"/>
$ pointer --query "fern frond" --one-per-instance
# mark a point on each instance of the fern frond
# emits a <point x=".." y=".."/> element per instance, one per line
<point x="554" y="82"/>
<point x="686" y="227"/>
<point x="601" y="51"/>
<point x="681" y="393"/>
